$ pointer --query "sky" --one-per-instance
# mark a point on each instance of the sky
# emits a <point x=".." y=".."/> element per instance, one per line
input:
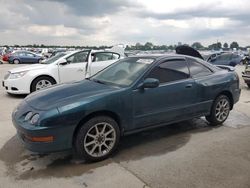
<point x="110" y="22"/>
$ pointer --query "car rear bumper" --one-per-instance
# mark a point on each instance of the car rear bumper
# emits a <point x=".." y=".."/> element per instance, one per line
<point x="236" y="95"/>
<point x="246" y="78"/>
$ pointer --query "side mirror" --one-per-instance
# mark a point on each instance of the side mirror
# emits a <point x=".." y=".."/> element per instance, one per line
<point x="63" y="62"/>
<point x="149" y="83"/>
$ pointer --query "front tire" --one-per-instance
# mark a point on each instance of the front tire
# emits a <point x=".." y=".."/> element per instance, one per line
<point x="97" y="139"/>
<point x="219" y="111"/>
<point x="42" y="82"/>
<point x="16" y="61"/>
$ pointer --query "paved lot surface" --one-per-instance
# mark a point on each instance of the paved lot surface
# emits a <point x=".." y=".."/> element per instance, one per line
<point x="188" y="154"/>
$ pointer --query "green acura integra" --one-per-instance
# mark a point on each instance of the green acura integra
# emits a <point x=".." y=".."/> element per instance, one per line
<point x="134" y="94"/>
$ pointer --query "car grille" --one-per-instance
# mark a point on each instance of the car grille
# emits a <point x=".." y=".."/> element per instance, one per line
<point x="6" y="76"/>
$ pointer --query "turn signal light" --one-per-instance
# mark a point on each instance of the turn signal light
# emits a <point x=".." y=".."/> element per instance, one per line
<point x="41" y="139"/>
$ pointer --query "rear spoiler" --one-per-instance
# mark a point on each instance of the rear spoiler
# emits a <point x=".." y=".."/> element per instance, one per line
<point x="229" y="68"/>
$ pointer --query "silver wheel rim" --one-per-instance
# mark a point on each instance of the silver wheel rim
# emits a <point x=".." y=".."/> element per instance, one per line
<point x="16" y="61"/>
<point x="100" y="139"/>
<point x="43" y="84"/>
<point x="222" y="110"/>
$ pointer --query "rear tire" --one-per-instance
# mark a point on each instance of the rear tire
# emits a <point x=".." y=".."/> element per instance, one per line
<point x="248" y="85"/>
<point x="219" y="111"/>
<point x="97" y="139"/>
<point x="42" y="82"/>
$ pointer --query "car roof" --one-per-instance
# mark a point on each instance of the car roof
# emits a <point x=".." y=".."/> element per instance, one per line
<point x="160" y="56"/>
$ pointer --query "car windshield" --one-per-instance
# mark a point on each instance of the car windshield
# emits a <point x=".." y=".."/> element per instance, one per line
<point x="124" y="72"/>
<point x="54" y="58"/>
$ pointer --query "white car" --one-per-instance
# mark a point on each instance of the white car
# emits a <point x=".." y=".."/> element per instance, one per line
<point x="64" y="67"/>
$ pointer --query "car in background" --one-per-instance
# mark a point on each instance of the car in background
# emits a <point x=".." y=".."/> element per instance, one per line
<point x="209" y="56"/>
<point x="228" y="59"/>
<point x="18" y="57"/>
<point x="246" y="75"/>
<point x="64" y="67"/>
<point x="134" y="94"/>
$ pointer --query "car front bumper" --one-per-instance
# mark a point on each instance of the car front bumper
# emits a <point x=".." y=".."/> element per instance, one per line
<point x="62" y="135"/>
<point x="16" y="86"/>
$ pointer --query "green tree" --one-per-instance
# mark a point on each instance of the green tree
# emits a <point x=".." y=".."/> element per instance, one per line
<point x="234" y="45"/>
<point x="148" y="45"/>
<point x="225" y="45"/>
<point x="197" y="45"/>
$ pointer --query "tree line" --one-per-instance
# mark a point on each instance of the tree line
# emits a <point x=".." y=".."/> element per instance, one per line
<point x="195" y="45"/>
<point x="146" y="46"/>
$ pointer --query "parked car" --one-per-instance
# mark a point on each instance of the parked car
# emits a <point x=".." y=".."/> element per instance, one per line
<point x="134" y="94"/>
<point x="24" y="57"/>
<point x="5" y="57"/>
<point x="64" y="67"/>
<point x="211" y="56"/>
<point x="246" y="75"/>
<point x="229" y="59"/>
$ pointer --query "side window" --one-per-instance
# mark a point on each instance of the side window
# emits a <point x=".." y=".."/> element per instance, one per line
<point x="29" y="55"/>
<point x="171" y="70"/>
<point x="224" y="57"/>
<point x="115" y="56"/>
<point x="103" y="56"/>
<point x="197" y="69"/>
<point x="78" y="57"/>
<point x="21" y="54"/>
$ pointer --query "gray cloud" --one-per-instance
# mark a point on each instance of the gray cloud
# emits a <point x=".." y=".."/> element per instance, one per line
<point x="93" y="22"/>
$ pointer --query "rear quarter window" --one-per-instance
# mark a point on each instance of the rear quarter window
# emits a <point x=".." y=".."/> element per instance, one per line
<point x="197" y="69"/>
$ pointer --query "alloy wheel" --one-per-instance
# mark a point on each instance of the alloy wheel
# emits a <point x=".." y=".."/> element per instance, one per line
<point x="222" y="110"/>
<point x="43" y="84"/>
<point x="100" y="139"/>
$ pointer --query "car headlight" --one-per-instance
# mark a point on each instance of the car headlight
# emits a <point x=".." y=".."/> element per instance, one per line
<point x="17" y="75"/>
<point x="28" y="116"/>
<point x="34" y="119"/>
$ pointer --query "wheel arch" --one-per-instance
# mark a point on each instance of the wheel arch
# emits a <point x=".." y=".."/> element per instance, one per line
<point x="95" y="114"/>
<point x="229" y="95"/>
<point x="43" y="75"/>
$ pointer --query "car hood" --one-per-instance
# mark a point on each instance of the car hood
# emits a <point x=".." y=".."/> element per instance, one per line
<point x="28" y="68"/>
<point x="68" y="93"/>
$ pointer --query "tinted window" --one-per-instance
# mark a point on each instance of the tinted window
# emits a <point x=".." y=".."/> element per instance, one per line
<point x="170" y="71"/>
<point x="224" y="57"/>
<point x="197" y="69"/>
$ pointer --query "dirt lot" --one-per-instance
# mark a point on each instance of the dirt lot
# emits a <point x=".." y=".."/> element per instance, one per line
<point x="188" y="154"/>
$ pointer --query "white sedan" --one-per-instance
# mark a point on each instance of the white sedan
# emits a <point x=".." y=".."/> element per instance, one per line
<point x="64" y="67"/>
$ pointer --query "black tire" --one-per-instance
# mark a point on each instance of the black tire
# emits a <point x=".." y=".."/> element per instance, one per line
<point x="248" y="85"/>
<point x="37" y="80"/>
<point x="212" y="119"/>
<point x="82" y="137"/>
<point x="16" y="61"/>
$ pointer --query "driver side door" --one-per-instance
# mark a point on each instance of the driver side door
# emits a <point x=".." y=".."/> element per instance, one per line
<point x="74" y="69"/>
<point x="171" y="100"/>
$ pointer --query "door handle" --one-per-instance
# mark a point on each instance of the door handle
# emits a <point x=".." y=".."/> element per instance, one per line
<point x="188" y="85"/>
